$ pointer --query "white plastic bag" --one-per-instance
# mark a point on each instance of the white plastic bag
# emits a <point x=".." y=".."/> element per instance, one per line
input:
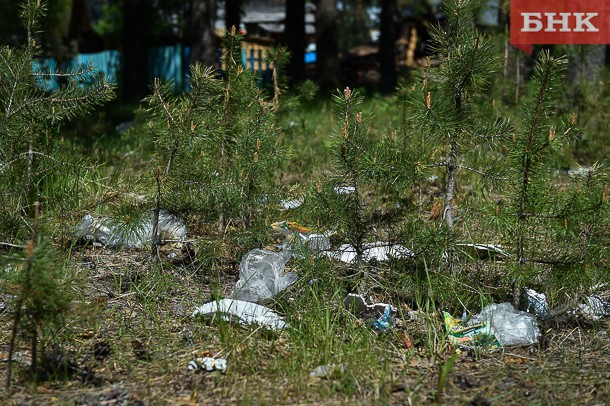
<point x="378" y="251"/>
<point x="262" y="276"/>
<point x="511" y="327"/>
<point x="245" y="313"/>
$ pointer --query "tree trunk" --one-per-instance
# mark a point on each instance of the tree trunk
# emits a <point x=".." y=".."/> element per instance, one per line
<point x="56" y="28"/>
<point x="359" y="13"/>
<point x="136" y="41"/>
<point x="204" y="47"/>
<point x="327" y="45"/>
<point x="503" y="14"/>
<point x="232" y="14"/>
<point x="294" y="33"/>
<point x="387" y="58"/>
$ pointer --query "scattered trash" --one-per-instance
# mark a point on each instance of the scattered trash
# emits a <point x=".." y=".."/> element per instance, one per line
<point x="291" y="204"/>
<point x="385" y="322"/>
<point x="316" y="242"/>
<point x="591" y="308"/>
<point x="170" y="227"/>
<point x="594" y="308"/>
<point x="208" y="364"/>
<point x="476" y="335"/>
<point x="511" y="327"/>
<point x="18" y="357"/>
<point x="407" y="340"/>
<point x="583" y="171"/>
<point x="262" y="276"/>
<point x="289" y="228"/>
<point x="484" y="251"/>
<point x="328" y="371"/>
<point x="536" y="303"/>
<point x="381" y="313"/>
<point x="378" y="251"/>
<point x="357" y="302"/>
<point x="245" y="313"/>
<point x="312" y="243"/>
<point x="110" y="233"/>
<point x="344" y="190"/>
<point x="299" y="237"/>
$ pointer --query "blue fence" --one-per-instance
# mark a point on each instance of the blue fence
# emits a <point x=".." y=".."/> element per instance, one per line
<point x="167" y="63"/>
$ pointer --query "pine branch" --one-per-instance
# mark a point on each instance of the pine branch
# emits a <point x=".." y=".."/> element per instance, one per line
<point x="14" y="87"/>
<point x="171" y="122"/>
<point x="85" y="98"/>
<point x="76" y="74"/>
<point x="31" y="153"/>
<point x="482" y="173"/>
<point x="9" y="245"/>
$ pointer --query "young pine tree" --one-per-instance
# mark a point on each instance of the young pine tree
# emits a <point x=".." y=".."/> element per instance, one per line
<point x="548" y="223"/>
<point x="40" y="286"/>
<point x="219" y="145"/>
<point x="583" y="239"/>
<point x="33" y="169"/>
<point x="30" y="164"/>
<point x="444" y="108"/>
<point x="339" y="202"/>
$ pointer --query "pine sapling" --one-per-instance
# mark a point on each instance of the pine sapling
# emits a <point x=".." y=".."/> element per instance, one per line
<point x="444" y="109"/>
<point x="339" y="202"/>
<point x="42" y="300"/>
<point x="534" y="195"/>
<point x="31" y="116"/>
<point x="219" y="143"/>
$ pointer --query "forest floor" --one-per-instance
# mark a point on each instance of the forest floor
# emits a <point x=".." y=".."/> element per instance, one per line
<point x="131" y="334"/>
<point x="133" y="338"/>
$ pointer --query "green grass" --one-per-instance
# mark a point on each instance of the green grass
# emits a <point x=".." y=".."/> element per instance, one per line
<point x="130" y="334"/>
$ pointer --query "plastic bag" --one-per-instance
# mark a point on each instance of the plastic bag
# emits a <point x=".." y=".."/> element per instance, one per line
<point x="375" y="251"/>
<point x="243" y="312"/>
<point x="110" y="233"/>
<point x="536" y="303"/>
<point x="357" y="302"/>
<point x="262" y="276"/>
<point x="510" y="327"/>
<point x="594" y="308"/>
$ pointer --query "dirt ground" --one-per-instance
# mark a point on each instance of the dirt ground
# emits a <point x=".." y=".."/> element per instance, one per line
<point x="132" y="336"/>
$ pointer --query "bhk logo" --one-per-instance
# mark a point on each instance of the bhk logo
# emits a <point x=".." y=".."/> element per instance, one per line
<point x="559" y="22"/>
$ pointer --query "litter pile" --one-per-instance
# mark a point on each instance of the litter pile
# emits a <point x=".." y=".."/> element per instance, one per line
<point x="111" y="233"/>
<point x="299" y="239"/>
<point x="495" y="326"/>
<point x="592" y="307"/>
<point x="261" y="278"/>
<point x="376" y="251"/>
<point x="208" y="364"/>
